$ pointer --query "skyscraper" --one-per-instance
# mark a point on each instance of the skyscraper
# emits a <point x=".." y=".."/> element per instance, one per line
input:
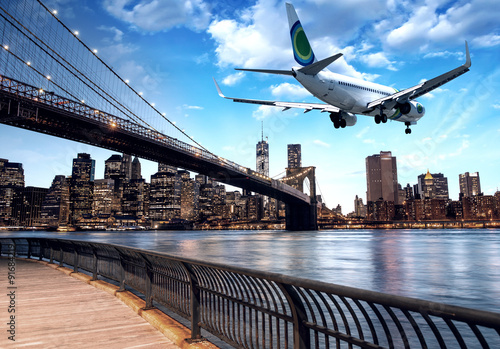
<point x="382" y="177"/>
<point x="469" y="184"/>
<point x="55" y="207"/>
<point x="113" y="167"/>
<point x="262" y="165"/>
<point x="136" y="169"/>
<point x="190" y="195"/>
<point x="294" y="156"/>
<point x="432" y="186"/>
<point x="81" y="186"/>
<point x="127" y="166"/>
<point x="104" y="200"/>
<point x="165" y="196"/>
<point x="11" y="181"/>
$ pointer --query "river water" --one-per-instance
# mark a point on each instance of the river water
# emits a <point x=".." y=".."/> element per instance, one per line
<point x="459" y="267"/>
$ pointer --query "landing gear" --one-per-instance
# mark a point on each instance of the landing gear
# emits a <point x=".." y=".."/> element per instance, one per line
<point x="408" y="129"/>
<point x="338" y="121"/>
<point x="380" y="119"/>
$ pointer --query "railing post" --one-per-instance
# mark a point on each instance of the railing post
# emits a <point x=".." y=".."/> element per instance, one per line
<point x="29" y="248"/>
<point x="301" y="335"/>
<point x="94" y="265"/>
<point x="122" y="272"/>
<point x="195" y="302"/>
<point x="61" y="256"/>
<point x="51" y="260"/>
<point x="149" y="284"/>
<point x="76" y="260"/>
<point x="15" y="248"/>
<point x="40" y="253"/>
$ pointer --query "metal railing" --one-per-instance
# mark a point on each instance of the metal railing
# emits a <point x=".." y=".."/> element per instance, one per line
<point x="255" y="309"/>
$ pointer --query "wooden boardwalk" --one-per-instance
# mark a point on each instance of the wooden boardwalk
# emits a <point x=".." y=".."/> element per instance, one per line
<point x="53" y="310"/>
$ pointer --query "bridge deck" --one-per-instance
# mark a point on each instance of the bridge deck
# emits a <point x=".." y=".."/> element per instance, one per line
<point x="53" y="310"/>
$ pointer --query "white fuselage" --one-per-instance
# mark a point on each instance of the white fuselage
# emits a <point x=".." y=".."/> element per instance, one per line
<point x="353" y="95"/>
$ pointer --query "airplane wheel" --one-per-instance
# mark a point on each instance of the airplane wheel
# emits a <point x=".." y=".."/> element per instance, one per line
<point x="343" y="123"/>
<point x="383" y="118"/>
<point x="377" y="119"/>
<point x="336" y="124"/>
<point x="408" y="131"/>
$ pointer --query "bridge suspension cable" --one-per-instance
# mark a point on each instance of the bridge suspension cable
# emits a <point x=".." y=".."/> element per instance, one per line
<point x="46" y="53"/>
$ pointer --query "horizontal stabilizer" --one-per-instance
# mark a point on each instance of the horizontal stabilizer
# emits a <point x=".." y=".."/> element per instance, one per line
<point x="316" y="67"/>
<point x="269" y="71"/>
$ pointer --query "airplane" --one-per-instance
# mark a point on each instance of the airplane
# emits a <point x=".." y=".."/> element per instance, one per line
<point x="346" y="96"/>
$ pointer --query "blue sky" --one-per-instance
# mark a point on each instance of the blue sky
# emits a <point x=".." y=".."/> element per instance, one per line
<point x="170" y="50"/>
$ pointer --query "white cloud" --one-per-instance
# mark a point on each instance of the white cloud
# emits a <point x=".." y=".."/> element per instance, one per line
<point x="232" y="79"/>
<point x="488" y="40"/>
<point x="445" y="54"/>
<point x="259" y="38"/>
<point x="321" y="143"/>
<point x="289" y="90"/>
<point x="424" y="24"/>
<point x="157" y="15"/>
<point x="378" y="60"/>
<point x="117" y="33"/>
<point x="496" y="106"/>
<point x="265" y="111"/>
<point x="192" y="107"/>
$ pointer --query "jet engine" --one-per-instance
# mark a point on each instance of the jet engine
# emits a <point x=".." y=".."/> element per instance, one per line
<point x="349" y="118"/>
<point x="404" y="108"/>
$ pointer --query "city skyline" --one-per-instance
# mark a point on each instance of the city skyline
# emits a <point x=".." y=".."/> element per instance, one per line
<point x="372" y="163"/>
<point x="460" y="122"/>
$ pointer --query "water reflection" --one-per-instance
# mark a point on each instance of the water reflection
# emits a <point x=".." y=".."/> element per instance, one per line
<point x="460" y="267"/>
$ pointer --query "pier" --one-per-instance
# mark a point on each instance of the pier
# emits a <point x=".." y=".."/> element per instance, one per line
<point x="58" y="308"/>
<point x="255" y="309"/>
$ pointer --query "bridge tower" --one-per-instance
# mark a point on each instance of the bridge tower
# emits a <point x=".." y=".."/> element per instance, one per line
<point x="302" y="216"/>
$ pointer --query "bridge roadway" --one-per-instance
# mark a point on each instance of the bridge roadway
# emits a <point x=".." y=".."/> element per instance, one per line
<point x="53" y="310"/>
<point x="28" y="107"/>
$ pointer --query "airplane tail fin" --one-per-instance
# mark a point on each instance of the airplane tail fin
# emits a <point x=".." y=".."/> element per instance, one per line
<point x="302" y="50"/>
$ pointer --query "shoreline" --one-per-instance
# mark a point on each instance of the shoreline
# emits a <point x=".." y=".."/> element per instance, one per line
<point x="419" y="225"/>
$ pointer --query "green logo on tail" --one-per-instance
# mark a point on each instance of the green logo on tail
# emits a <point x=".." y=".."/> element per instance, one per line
<point x="301" y="49"/>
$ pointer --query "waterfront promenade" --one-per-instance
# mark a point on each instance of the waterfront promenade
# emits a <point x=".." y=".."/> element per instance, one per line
<point x="54" y="310"/>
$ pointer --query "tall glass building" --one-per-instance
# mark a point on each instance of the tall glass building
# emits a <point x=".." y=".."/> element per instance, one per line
<point x="294" y="156"/>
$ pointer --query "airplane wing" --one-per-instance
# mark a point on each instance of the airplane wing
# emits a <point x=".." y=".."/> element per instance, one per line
<point x="285" y="105"/>
<point x="422" y="88"/>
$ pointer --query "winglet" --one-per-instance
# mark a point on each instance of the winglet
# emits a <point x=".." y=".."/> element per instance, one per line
<point x="467" y="55"/>
<point x="219" y="91"/>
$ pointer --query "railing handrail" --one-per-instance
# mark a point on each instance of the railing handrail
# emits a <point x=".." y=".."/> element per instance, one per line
<point x="305" y="289"/>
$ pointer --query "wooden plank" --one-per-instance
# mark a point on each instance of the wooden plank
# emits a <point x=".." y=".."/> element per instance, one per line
<point x="53" y="310"/>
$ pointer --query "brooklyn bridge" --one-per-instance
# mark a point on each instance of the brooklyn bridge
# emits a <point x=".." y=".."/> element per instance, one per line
<point x="52" y="82"/>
